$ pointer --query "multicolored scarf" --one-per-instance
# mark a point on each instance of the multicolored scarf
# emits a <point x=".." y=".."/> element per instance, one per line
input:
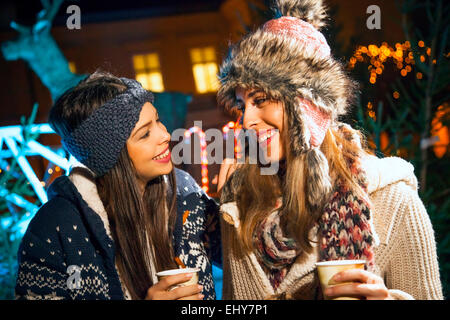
<point x="344" y="230"/>
<point x="275" y="252"/>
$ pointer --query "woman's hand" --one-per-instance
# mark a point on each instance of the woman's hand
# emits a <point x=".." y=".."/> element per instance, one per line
<point x="227" y="167"/>
<point x="160" y="291"/>
<point x="366" y="284"/>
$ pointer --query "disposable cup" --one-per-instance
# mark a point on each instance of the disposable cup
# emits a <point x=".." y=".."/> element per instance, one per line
<point x="327" y="269"/>
<point x="193" y="280"/>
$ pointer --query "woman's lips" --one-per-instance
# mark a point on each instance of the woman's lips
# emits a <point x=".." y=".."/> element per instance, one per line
<point x="163" y="157"/>
<point x="266" y="136"/>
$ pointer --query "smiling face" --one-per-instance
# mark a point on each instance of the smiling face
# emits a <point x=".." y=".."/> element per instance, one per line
<point x="148" y="146"/>
<point x="265" y="116"/>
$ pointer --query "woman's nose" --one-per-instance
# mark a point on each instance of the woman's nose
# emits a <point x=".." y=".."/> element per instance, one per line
<point x="165" y="135"/>
<point x="250" y="118"/>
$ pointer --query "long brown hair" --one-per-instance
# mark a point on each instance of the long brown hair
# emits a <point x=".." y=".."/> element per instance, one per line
<point x="137" y="220"/>
<point x="258" y="195"/>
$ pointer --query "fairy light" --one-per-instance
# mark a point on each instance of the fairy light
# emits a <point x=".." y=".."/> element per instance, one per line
<point x="439" y="130"/>
<point x="235" y="127"/>
<point x="400" y="55"/>
<point x="203" y="156"/>
<point x="370" y="111"/>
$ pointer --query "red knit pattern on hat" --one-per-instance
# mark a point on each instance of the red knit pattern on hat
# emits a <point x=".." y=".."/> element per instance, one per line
<point x="302" y="31"/>
<point x="316" y="121"/>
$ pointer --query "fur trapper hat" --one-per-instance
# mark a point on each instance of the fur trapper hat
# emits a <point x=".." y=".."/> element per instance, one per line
<point x="289" y="59"/>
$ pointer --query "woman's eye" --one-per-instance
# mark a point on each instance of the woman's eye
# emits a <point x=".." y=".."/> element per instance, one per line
<point x="259" y="101"/>
<point x="240" y="107"/>
<point x="146" y="134"/>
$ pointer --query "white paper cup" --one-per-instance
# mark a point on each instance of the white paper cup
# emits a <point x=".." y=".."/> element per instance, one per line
<point x="194" y="279"/>
<point x="327" y="269"/>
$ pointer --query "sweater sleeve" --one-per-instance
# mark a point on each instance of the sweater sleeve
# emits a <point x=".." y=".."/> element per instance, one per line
<point x="413" y="270"/>
<point x="42" y="272"/>
<point x="213" y="243"/>
<point x="189" y="189"/>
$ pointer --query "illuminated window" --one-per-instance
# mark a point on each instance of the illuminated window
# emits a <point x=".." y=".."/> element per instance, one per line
<point x="72" y="67"/>
<point x="204" y="67"/>
<point x="148" y="72"/>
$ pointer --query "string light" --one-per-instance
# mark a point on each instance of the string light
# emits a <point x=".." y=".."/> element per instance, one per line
<point x="235" y="127"/>
<point x="401" y="55"/>
<point x="439" y="130"/>
<point x="403" y="58"/>
<point x="370" y="111"/>
<point x="203" y="158"/>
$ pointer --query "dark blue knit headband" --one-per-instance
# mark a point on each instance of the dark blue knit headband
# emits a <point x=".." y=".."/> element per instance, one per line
<point x="98" y="141"/>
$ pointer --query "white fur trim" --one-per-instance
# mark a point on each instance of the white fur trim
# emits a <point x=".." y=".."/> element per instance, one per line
<point x="230" y="213"/>
<point x="88" y="190"/>
<point x="386" y="171"/>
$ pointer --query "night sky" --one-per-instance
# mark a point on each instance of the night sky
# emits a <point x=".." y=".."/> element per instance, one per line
<point x="24" y="11"/>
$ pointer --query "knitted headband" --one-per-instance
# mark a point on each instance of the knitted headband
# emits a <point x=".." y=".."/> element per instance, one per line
<point x="98" y="141"/>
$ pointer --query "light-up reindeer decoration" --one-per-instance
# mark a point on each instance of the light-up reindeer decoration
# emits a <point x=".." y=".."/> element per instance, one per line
<point x="37" y="47"/>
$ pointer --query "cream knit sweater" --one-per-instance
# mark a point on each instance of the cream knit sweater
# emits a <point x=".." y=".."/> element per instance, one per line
<point x="405" y="256"/>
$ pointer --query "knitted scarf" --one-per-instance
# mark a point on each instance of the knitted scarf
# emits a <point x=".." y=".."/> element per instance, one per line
<point x="344" y="230"/>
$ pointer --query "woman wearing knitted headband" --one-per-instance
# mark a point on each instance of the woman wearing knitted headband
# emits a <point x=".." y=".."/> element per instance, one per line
<point x="330" y="200"/>
<point x="126" y="214"/>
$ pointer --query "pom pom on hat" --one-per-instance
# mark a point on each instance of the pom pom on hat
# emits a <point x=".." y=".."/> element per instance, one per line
<point x="311" y="11"/>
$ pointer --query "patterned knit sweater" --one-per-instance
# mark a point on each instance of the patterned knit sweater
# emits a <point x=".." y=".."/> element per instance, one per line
<point x="69" y="239"/>
<point x="405" y="257"/>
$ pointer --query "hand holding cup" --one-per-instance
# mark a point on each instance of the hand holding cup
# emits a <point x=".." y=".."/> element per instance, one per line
<point x="347" y="280"/>
<point x="176" y="284"/>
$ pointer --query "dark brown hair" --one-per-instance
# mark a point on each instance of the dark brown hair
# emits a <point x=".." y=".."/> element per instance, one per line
<point x="136" y="220"/>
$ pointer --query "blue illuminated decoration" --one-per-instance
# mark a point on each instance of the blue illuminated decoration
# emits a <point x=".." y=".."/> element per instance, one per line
<point x="37" y="47"/>
<point x="18" y="149"/>
<point x="172" y="108"/>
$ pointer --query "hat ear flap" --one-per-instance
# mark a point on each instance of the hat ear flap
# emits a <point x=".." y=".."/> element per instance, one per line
<point x="299" y="135"/>
<point x="319" y="182"/>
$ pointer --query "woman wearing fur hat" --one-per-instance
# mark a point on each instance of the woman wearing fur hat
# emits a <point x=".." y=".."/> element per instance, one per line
<point x="126" y="214"/>
<point x="330" y="200"/>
